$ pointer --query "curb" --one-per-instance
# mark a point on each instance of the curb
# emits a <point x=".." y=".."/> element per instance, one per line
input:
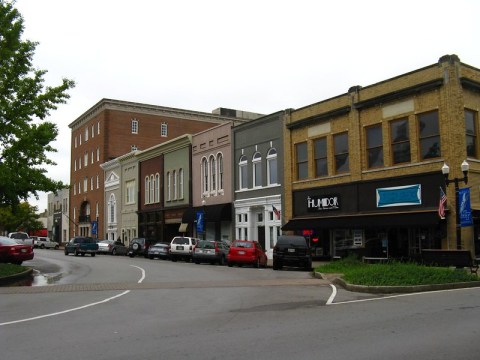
<point x="6" y="280"/>
<point x="396" y="289"/>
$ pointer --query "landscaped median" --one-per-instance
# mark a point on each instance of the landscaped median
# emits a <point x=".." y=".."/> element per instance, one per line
<point x="394" y="277"/>
<point x="10" y="273"/>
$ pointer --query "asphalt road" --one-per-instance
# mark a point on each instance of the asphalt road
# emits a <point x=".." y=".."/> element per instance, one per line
<point x="120" y="308"/>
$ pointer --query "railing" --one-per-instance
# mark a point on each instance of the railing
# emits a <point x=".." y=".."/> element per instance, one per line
<point x="84" y="219"/>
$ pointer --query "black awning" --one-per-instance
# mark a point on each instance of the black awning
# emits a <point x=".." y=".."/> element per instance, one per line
<point x="357" y="221"/>
<point x="213" y="213"/>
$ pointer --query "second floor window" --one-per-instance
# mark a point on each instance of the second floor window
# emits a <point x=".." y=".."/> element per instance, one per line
<point x="342" y="163"/>
<point x="320" y="154"/>
<point x="134" y="126"/>
<point x="272" y="173"/>
<point x="400" y="140"/>
<point x="164" y="130"/>
<point x="429" y="135"/>
<point x="471" y="133"/>
<point x="147" y="189"/>
<point x="220" y="171"/>
<point x="301" y="156"/>
<point x="205" y="174"/>
<point x="130" y="192"/>
<point x="213" y="174"/>
<point x="257" y="169"/>
<point x="242" y="172"/>
<point x="180" y="184"/>
<point x="374" y="146"/>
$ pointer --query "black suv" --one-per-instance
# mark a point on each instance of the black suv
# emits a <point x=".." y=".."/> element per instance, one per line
<point x="292" y="251"/>
<point x="139" y="246"/>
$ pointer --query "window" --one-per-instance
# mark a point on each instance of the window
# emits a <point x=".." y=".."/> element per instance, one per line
<point x="91" y="160"/>
<point x="272" y="175"/>
<point x="169" y="186"/>
<point x="147" y="189"/>
<point x="98" y="128"/>
<point x="85" y="184"/>
<point x="320" y="157"/>
<point x="93" y="131"/>
<point x="471" y="133"/>
<point x="98" y="154"/>
<point x="220" y="171"/>
<point x="86" y="134"/>
<point x="340" y="142"/>
<point x="180" y="184"/>
<point x="134" y="126"/>
<point x="85" y="159"/>
<point x="213" y="174"/>
<point x="112" y="205"/>
<point x="242" y="171"/>
<point x="75" y="142"/>
<point x="429" y="135"/>
<point x="79" y="188"/>
<point x="157" y="188"/>
<point x="174" y="178"/>
<point x="400" y="141"/>
<point x="257" y="169"/>
<point x="98" y="182"/>
<point x="301" y="160"/>
<point x="91" y="183"/>
<point x="152" y="189"/>
<point x="374" y="146"/>
<point x="130" y="192"/>
<point x="205" y="174"/>
<point x="164" y="130"/>
<point x="75" y="165"/>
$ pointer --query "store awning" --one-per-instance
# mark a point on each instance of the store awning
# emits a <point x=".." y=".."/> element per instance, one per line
<point x="425" y="218"/>
<point x="213" y="213"/>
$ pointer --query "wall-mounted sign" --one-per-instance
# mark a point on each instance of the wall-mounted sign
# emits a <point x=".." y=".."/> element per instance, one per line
<point x="399" y="196"/>
<point x="464" y="207"/>
<point x="321" y="203"/>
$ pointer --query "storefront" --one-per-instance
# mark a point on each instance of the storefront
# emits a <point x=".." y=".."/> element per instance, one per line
<point x="393" y="218"/>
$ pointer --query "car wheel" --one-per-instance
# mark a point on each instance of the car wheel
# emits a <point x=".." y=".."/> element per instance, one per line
<point x="83" y="254"/>
<point x="114" y="251"/>
<point x="92" y="254"/>
<point x="56" y="247"/>
<point x="76" y="252"/>
<point x="197" y="262"/>
<point x="65" y="252"/>
<point x="229" y="264"/>
<point x="131" y="255"/>
<point x="42" y="246"/>
<point x="256" y="264"/>
<point x="221" y="261"/>
<point x="174" y="259"/>
<point x="308" y="266"/>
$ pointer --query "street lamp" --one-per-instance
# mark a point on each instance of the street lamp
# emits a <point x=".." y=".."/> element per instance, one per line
<point x="446" y="170"/>
<point x="204" y="218"/>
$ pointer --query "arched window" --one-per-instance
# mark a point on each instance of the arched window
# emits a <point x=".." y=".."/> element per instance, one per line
<point x="169" y="184"/>
<point x="205" y="174"/>
<point x="242" y="172"/>
<point x="157" y="187"/>
<point x="257" y="169"/>
<point x="220" y="171"/>
<point x="174" y="175"/>
<point x="272" y="173"/>
<point x="152" y="189"/>
<point x="180" y="184"/>
<point x="147" y="189"/>
<point x="213" y="173"/>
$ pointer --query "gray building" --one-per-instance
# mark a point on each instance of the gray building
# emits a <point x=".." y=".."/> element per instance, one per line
<point x="58" y="221"/>
<point x="258" y="180"/>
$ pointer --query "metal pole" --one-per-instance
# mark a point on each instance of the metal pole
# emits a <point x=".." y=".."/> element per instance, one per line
<point x="457" y="209"/>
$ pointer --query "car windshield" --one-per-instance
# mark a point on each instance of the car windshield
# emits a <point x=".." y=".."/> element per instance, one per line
<point x="160" y="245"/>
<point x="7" y="241"/>
<point x="242" y="244"/>
<point x="206" y="244"/>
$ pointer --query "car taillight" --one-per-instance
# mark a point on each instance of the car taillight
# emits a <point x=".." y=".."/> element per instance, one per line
<point x="217" y="250"/>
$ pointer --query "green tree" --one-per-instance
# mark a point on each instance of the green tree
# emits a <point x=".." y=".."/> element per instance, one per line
<point x="25" y="134"/>
<point x="24" y="218"/>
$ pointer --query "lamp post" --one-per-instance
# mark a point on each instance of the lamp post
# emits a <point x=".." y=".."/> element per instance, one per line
<point x="204" y="218"/>
<point x="446" y="170"/>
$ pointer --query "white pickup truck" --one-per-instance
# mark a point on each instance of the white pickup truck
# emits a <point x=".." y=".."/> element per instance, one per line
<point x="44" y="243"/>
<point x="21" y="237"/>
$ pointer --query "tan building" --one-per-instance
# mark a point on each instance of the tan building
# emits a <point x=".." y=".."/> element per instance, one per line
<point x="112" y="128"/>
<point x="363" y="169"/>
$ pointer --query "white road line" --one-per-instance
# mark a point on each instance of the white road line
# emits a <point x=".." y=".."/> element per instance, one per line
<point x="332" y="297"/>
<point x="77" y="308"/>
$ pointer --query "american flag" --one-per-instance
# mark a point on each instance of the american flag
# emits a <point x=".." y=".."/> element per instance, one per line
<point x="442" y="204"/>
<point x="277" y="213"/>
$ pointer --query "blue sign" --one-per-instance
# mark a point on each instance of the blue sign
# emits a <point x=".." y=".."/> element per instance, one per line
<point x="464" y="207"/>
<point x="200" y="219"/>
<point x="94" y="227"/>
<point x="399" y="196"/>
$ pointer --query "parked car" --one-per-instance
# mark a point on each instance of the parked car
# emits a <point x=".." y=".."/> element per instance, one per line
<point x="13" y="252"/>
<point x="182" y="248"/>
<point x="21" y="237"/>
<point x="81" y="245"/>
<point x="159" y="250"/>
<point x="112" y="247"/>
<point x="44" y="243"/>
<point x="139" y="246"/>
<point x="292" y="250"/>
<point x="246" y="252"/>
<point x="210" y="251"/>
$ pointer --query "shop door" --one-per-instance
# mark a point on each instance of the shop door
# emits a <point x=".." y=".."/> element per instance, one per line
<point x="261" y="236"/>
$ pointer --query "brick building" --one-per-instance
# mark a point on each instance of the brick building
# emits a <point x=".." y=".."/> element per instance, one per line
<point x="112" y="128"/>
<point x="363" y="169"/>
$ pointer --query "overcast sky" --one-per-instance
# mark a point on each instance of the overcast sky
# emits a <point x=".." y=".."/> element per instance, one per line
<point x="253" y="55"/>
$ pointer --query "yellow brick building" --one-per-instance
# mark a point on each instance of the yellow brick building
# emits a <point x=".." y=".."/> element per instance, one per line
<point x="363" y="169"/>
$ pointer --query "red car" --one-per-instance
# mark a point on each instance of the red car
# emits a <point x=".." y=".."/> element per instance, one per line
<point x="246" y="252"/>
<point x="12" y="252"/>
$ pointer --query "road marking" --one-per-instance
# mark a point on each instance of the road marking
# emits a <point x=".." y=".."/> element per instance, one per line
<point x="332" y="297"/>
<point x="77" y="308"/>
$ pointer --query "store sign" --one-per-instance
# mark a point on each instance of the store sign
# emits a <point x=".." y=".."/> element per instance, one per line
<point x="321" y="203"/>
<point x="399" y="196"/>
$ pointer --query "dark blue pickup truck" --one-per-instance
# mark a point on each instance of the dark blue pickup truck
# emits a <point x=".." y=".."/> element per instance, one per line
<point x="81" y="245"/>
